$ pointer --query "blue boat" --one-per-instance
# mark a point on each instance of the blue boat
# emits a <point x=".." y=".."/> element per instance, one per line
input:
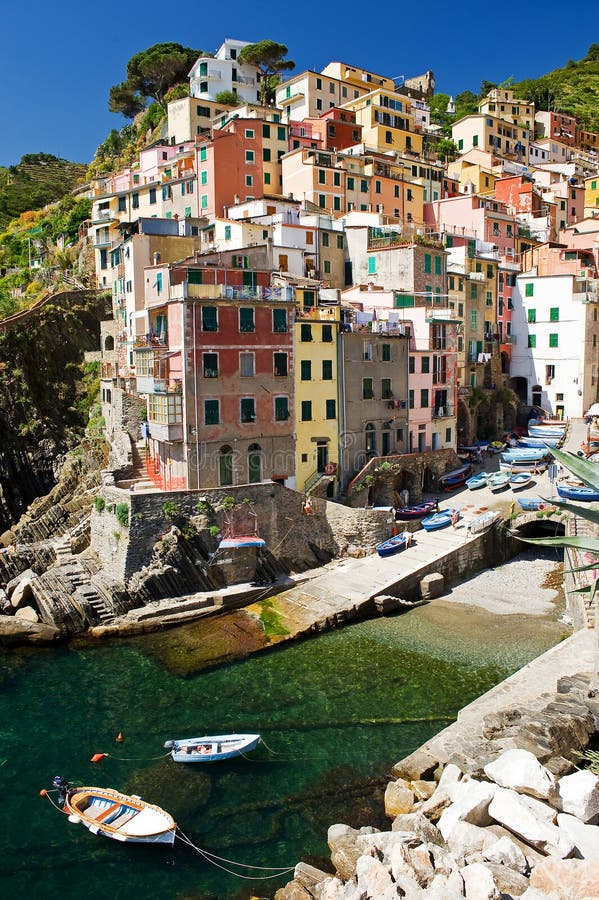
<point x="532" y="441"/>
<point x="545" y="431"/>
<point x="397" y="542"/>
<point x="520" y="480"/>
<point x="456" y="478"/>
<point x="519" y="455"/>
<point x="532" y="503"/>
<point x="577" y="492"/>
<point x="439" y="519"/>
<point x="417" y="511"/>
<point x="476" y="482"/>
<point x="212" y="748"/>
<point x="499" y="481"/>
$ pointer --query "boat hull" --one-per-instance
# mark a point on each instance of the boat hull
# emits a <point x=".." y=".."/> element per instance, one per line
<point x="438" y="520"/>
<point x="417" y="511"/>
<point x="532" y="503"/>
<point x="571" y="492"/>
<point x="212" y="748"/>
<point x="520" y="480"/>
<point x="498" y="482"/>
<point x="452" y="480"/>
<point x="121" y="817"/>
<point x="476" y="482"/>
<point x="395" y="544"/>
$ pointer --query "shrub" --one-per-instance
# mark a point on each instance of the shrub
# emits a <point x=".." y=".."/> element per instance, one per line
<point x="228" y="502"/>
<point x="214" y="530"/>
<point x="99" y="503"/>
<point x="121" y="512"/>
<point x="169" y="509"/>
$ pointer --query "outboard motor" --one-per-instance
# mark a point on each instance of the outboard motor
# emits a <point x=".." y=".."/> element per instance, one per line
<point x="169" y="745"/>
<point x="62" y="786"/>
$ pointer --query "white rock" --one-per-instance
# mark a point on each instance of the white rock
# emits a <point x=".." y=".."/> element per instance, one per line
<point x="585" y="837"/>
<point x="521" y="771"/>
<point x="578" y="794"/>
<point x="27" y="614"/>
<point x="449" y="775"/>
<point x="539" y="809"/>
<point x="373" y="877"/>
<point x="478" y="883"/>
<point x="442" y="889"/>
<point x="465" y="839"/>
<point x="382" y="843"/>
<point x="535" y="894"/>
<point x="470" y="804"/>
<point x="505" y="853"/>
<point x="409" y="886"/>
<point x="509" y="809"/>
<point x="335" y="889"/>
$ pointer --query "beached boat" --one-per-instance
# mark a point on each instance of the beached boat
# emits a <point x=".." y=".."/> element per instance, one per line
<point x="454" y="479"/>
<point x="496" y="446"/>
<point x="439" y="519"/>
<point x="544" y="431"/>
<point x="532" y="503"/>
<point x="122" y="817"/>
<point x="397" y="542"/>
<point x="498" y="482"/>
<point x="417" y="511"/>
<point x="242" y="541"/>
<point x="524" y="454"/>
<point x="212" y="748"/>
<point x="532" y="441"/>
<point x="476" y="482"/>
<point x="577" y="492"/>
<point x="547" y="422"/>
<point x="534" y="468"/>
<point x="520" y="480"/>
<point x="482" y="522"/>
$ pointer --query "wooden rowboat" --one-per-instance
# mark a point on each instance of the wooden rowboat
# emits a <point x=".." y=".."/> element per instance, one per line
<point x="212" y="748"/>
<point x="439" y="519"/>
<point x="394" y="544"/>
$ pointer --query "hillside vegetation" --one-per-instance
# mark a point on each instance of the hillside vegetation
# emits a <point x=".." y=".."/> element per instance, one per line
<point x="38" y="179"/>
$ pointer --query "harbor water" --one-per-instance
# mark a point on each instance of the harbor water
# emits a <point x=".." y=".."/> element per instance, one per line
<point x="336" y="712"/>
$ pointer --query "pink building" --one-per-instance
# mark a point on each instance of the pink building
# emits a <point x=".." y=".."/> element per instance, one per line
<point x="471" y="216"/>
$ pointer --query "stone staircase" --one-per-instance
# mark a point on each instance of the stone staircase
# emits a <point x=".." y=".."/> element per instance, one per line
<point x="142" y="475"/>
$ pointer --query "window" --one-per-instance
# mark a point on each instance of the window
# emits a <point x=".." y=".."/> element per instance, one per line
<point x="203" y="177"/>
<point x="549" y="374"/>
<point x="427" y="263"/>
<point x="249" y="133"/>
<point x="246" y="319"/>
<point x="489" y="299"/>
<point x="249" y="180"/>
<point x="554" y="314"/>
<point x="152" y="196"/>
<point x="438" y="265"/>
<point x="322" y="176"/>
<point x="203" y="154"/>
<point x="210" y="365"/>
<point x="306" y="410"/>
<point x="246" y="365"/>
<point x="227" y="232"/>
<point x="122" y="204"/>
<point x="553" y="340"/>
<point x="211" y="412"/>
<point x="280" y="364"/>
<point x="372" y="265"/>
<point x="377" y="187"/>
<point x="350" y="183"/>
<point x="473" y="319"/>
<point x="281" y="409"/>
<point x="424" y="398"/>
<point x="209" y="318"/>
<point x="411" y="365"/>
<point x="327" y="267"/>
<point x="364" y="186"/>
<point x="204" y="201"/>
<point x="331" y="409"/>
<point x="366" y="350"/>
<point x="247" y="410"/>
<point x="281" y="133"/>
<point x="305" y="332"/>
<point x="411" y="399"/>
<point x="327" y="370"/>
<point x="306" y="370"/>
<point x="531" y="316"/>
<point x="473" y="292"/>
<point x="386" y="352"/>
<point x="266" y="131"/>
<point x="325" y="239"/>
<point x="367" y="389"/>
<point x="266" y="154"/>
<point x="386" y="392"/>
<point x="426" y="365"/>
<point x="279" y="320"/>
<point x="529" y="290"/>
<point x="322" y="201"/>
<point x="532" y="340"/>
<point x="327" y="334"/>
<point x="159" y="282"/>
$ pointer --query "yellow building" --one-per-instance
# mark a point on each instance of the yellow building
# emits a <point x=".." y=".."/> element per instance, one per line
<point x="316" y="394"/>
<point x="360" y="78"/>
<point x="387" y="122"/>
<point x="591" y="196"/>
<point x="502" y="104"/>
<point x="473" y="172"/>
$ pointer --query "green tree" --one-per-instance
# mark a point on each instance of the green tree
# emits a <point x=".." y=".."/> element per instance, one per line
<point x="150" y="75"/>
<point x="466" y="104"/>
<point x="269" y="57"/>
<point x="447" y="149"/>
<point x="227" y="98"/>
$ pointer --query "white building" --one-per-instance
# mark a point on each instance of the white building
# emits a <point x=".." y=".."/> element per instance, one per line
<point x="555" y="335"/>
<point x="210" y="75"/>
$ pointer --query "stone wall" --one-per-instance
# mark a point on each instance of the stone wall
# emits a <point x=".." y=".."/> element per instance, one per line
<point x="414" y="472"/>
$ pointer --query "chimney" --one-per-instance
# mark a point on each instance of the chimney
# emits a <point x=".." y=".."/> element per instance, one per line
<point x="156" y="258"/>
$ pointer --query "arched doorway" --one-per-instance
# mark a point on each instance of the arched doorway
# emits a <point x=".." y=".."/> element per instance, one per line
<point x="225" y="465"/>
<point x="254" y="463"/>
<point x="370" y="439"/>
<point x="109" y="342"/>
<point x="519" y="385"/>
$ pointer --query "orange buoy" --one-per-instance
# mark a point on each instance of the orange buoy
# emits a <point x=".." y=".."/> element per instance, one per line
<point x="98" y="756"/>
<point x="119" y="738"/>
<point x="43" y="792"/>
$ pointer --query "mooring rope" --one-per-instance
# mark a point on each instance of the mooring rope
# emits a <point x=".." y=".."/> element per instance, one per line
<point x="215" y="860"/>
<point x="131" y="758"/>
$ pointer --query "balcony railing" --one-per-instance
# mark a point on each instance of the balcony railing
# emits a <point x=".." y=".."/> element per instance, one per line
<point x="443" y="412"/>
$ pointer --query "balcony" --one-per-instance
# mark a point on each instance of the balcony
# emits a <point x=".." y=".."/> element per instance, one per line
<point x="477" y="276"/>
<point x="103" y="215"/>
<point x="285" y="101"/>
<point x="443" y="412"/>
<point x="492" y="337"/>
<point x="245" y="79"/>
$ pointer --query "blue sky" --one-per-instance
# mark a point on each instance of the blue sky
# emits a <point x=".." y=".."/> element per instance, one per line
<point x="58" y="60"/>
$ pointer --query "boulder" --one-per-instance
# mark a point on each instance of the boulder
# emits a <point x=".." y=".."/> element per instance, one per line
<point x="507" y="881"/>
<point x="382" y="844"/>
<point x="532" y="856"/>
<point x="466" y="839"/>
<point x="423" y="789"/>
<point x="478" y="883"/>
<point x="19" y="589"/>
<point x="444" y="888"/>
<point x="432" y="586"/>
<point x="567" y="879"/>
<point x="420" y="826"/>
<point x="409" y="887"/>
<point x="419" y="764"/>
<point x="434" y="806"/>
<point x="13" y="631"/>
<point x="293" y="891"/>
<point x="577" y="794"/>
<point x="373" y="878"/>
<point x="520" y="771"/>
<point x="510" y="809"/>
<point x="344" y="852"/>
<point x="584" y="837"/>
<point x="399" y="798"/>
<point x="504" y="852"/>
<point x="309" y="877"/>
<point x="450" y="774"/>
<point x="27" y="614"/>
<point x="422" y="864"/>
<point x="470" y="803"/>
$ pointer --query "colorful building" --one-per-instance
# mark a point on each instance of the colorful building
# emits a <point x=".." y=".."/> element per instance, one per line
<point x="211" y="75"/>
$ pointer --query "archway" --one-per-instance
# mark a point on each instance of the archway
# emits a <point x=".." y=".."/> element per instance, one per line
<point x="519" y="385"/>
<point x="537" y="394"/>
<point x="254" y="463"/>
<point x="225" y="465"/>
<point x="109" y="342"/>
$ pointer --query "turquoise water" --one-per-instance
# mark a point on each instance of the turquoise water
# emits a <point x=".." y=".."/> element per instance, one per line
<point x="338" y="710"/>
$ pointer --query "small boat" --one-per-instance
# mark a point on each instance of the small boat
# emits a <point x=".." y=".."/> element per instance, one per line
<point x="532" y="503"/>
<point x="439" y="519"/>
<point x="523" y="454"/>
<point x="482" y="522"/>
<point x="577" y="492"/>
<point x="476" y="482"/>
<point x="520" y="480"/>
<point x="243" y="541"/>
<point x="544" y="431"/>
<point x="547" y="422"/>
<point x="535" y="468"/>
<point x="212" y="748"/>
<point x="417" y="511"/>
<point x="531" y="441"/>
<point x="456" y="478"/>
<point x="499" y="481"/>
<point x="397" y="542"/>
<point x="496" y="446"/>
<point x="122" y="817"/>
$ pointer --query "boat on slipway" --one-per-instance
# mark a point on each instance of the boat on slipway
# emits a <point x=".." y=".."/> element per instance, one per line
<point x="394" y="544"/>
<point x="439" y="519"/>
<point x="520" y="480"/>
<point x="498" y="482"/>
<point x="577" y="492"/>
<point x="533" y="503"/>
<point x="482" y="522"/>
<point x="454" y="479"/>
<point x="123" y="817"/>
<point x="476" y="482"/>
<point x="212" y="747"/>
<point x="417" y="511"/>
